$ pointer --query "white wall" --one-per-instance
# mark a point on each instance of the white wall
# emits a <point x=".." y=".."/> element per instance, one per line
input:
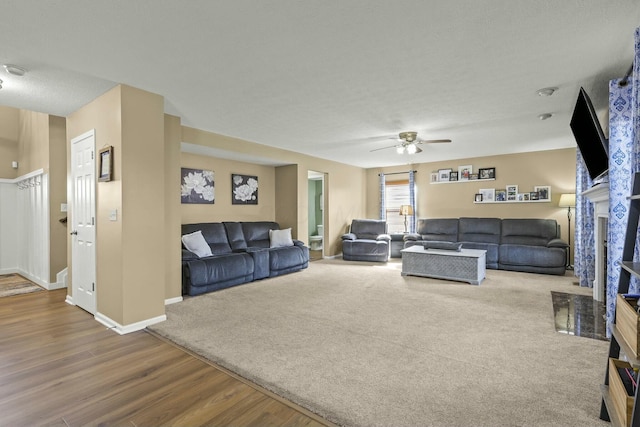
<point x="8" y="227"/>
<point x="24" y="227"/>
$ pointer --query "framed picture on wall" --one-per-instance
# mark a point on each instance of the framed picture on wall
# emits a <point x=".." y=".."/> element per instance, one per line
<point x="487" y="173"/>
<point x="196" y="186"/>
<point x="244" y="189"/>
<point x="105" y="167"/>
<point x="512" y="192"/>
<point x="434" y="176"/>
<point x="478" y="198"/>
<point x="453" y="176"/>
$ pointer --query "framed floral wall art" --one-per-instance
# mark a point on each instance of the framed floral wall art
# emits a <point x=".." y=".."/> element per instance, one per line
<point x="196" y="186"/>
<point x="244" y="189"/>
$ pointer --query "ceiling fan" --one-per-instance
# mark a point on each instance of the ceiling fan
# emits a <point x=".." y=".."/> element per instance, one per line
<point x="408" y="143"/>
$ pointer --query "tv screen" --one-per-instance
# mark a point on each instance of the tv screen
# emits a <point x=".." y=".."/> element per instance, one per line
<point x="589" y="136"/>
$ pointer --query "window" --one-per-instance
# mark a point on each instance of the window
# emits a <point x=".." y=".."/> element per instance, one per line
<point x="396" y="194"/>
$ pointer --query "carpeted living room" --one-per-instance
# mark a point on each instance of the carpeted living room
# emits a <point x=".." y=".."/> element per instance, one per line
<point x="359" y="344"/>
<point x="185" y="188"/>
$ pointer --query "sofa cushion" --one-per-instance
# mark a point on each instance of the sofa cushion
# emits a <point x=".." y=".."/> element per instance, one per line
<point x="195" y="242"/>
<point x="483" y="230"/>
<point x="368" y="228"/>
<point x="280" y="238"/>
<point x="256" y="234"/>
<point x="214" y="233"/>
<point x="535" y="232"/>
<point x="531" y="256"/>
<point x="235" y="236"/>
<point x="443" y="229"/>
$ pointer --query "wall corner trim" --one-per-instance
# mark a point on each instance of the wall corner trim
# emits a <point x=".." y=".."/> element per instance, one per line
<point x="69" y="300"/>
<point x="132" y="327"/>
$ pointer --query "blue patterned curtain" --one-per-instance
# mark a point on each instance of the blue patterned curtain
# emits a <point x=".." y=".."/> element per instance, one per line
<point x="624" y="161"/>
<point x="412" y="201"/>
<point x="383" y="210"/>
<point x="584" y="238"/>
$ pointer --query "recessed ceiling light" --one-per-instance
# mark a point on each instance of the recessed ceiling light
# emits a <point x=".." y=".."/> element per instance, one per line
<point x="15" y="70"/>
<point x="545" y="116"/>
<point x="546" y="91"/>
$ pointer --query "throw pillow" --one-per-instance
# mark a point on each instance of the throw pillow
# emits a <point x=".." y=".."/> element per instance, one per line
<point x="280" y="238"/>
<point x="447" y="246"/>
<point x="195" y="243"/>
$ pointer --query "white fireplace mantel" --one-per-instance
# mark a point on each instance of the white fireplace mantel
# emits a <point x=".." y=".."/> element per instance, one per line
<point x="599" y="196"/>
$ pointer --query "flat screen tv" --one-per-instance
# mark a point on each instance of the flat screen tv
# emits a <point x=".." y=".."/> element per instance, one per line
<point x="592" y="143"/>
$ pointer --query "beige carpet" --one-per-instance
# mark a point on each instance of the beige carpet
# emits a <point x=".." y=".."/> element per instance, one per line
<point x="14" y="284"/>
<point x="359" y="344"/>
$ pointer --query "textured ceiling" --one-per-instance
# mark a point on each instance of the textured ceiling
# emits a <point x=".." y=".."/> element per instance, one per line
<point x="332" y="79"/>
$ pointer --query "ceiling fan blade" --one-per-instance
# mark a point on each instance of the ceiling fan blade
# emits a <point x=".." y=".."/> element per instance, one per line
<point x="433" y="141"/>
<point x="383" y="148"/>
<point x="418" y="150"/>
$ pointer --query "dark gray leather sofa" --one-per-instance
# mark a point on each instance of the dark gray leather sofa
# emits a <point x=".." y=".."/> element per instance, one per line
<point x="240" y="254"/>
<point x="367" y="240"/>
<point x="528" y="245"/>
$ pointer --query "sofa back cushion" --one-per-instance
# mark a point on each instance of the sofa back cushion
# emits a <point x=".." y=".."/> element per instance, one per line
<point x="256" y="234"/>
<point x="442" y="229"/>
<point x="235" y="235"/>
<point x="484" y="230"/>
<point x="535" y="232"/>
<point x="368" y="229"/>
<point x="214" y="233"/>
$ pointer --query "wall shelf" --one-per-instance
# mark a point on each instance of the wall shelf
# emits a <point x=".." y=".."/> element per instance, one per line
<point x="512" y="201"/>
<point x="463" y="180"/>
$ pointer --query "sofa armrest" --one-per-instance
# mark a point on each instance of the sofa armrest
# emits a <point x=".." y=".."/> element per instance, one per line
<point x="349" y="236"/>
<point x="557" y="243"/>
<point x="188" y="255"/>
<point x="384" y="237"/>
<point x="412" y="236"/>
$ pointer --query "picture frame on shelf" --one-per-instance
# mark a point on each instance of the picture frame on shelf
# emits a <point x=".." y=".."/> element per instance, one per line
<point x="453" y="176"/>
<point x="520" y="197"/>
<point x="487" y="173"/>
<point x="478" y="197"/>
<point x="544" y="192"/>
<point x="488" y="194"/>
<point x="512" y="192"/>
<point x="443" y="174"/>
<point x="533" y="195"/>
<point x="473" y="176"/>
<point x="501" y="195"/>
<point x="464" y="172"/>
<point x="434" y="176"/>
<point x="525" y="197"/>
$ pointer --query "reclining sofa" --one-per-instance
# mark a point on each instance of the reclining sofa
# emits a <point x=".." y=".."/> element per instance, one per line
<point x="240" y="252"/>
<point x="367" y="240"/>
<point x="527" y="245"/>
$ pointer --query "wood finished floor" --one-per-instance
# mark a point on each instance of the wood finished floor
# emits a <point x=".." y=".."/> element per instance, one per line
<point x="59" y="367"/>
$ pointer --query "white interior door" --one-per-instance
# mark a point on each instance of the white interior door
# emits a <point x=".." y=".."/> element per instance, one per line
<point x="83" y="228"/>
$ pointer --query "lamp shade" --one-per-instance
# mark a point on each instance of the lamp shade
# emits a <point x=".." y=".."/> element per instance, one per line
<point x="567" y="200"/>
<point x="406" y="210"/>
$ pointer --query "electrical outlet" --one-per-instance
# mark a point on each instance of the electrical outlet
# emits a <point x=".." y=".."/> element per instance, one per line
<point x="113" y="215"/>
<point x="63" y="207"/>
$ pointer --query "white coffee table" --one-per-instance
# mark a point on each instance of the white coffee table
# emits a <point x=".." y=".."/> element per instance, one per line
<point x="468" y="265"/>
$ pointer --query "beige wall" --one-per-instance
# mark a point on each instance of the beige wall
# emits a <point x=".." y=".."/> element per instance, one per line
<point x="555" y="168"/>
<point x="345" y="185"/>
<point x="130" y="281"/>
<point x="9" y="120"/>
<point x="289" y="202"/>
<point x="57" y="195"/>
<point x="33" y="142"/>
<point x="172" y="252"/>
<point x="222" y="209"/>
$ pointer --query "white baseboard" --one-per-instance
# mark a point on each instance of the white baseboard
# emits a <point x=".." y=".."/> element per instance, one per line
<point x="127" y="329"/>
<point x="169" y="301"/>
<point x="47" y="285"/>
<point x="69" y="300"/>
<point x="8" y="271"/>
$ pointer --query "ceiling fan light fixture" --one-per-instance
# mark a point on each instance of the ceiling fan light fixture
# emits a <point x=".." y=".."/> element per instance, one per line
<point x="412" y="149"/>
<point x="400" y="149"/>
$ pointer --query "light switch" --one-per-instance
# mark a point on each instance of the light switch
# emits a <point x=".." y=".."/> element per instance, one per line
<point x="113" y="215"/>
<point x="63" y="207"/>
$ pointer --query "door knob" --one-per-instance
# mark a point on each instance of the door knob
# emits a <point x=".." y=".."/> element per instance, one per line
<point x="74" y="233"/>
